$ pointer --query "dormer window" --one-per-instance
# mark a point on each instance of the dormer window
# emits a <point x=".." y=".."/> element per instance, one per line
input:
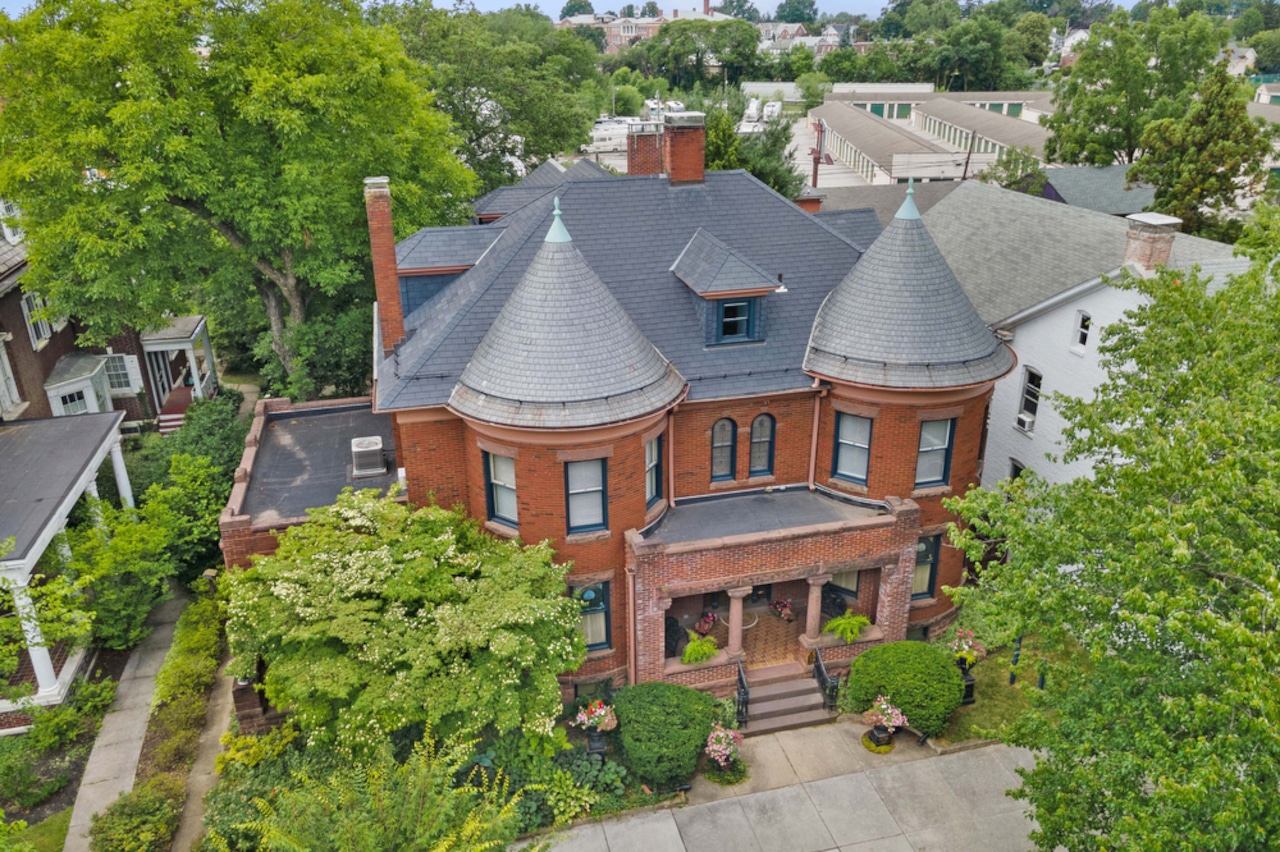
<point x="736" y="320"/>
<point x="733" y="289"/>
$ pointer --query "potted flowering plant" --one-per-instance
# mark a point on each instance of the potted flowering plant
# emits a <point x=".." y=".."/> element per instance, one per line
<point x="884" y="719"/>
<point x="707" y="623"/>
<point x="596" y="718"/>
<point x="724" y="749"/>
<point x="967" y="649"/>
<point x="781" y="607"/>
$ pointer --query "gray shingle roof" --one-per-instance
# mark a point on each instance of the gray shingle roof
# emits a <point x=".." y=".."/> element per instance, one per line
<point x="13" y="261"/>
<point x="901" y="319"/>
<point x="563" y="353"/>
<point x="1101" y="188"/>
<point x="630" y="230"/>
<point x="1012" y="132"/>
<point x="505" y="199"/>
<point x="860" y="226"/>
<point x="709" y="266"/>
<point x="462" y="245"/>
<point x="874" y="136"/>
<point x="1012" y="251"/>
<point x="548" y="173"/>
<point x="885" y="200"/>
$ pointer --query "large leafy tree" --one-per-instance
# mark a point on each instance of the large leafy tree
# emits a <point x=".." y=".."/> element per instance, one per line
<point x="1128" y="75"/>
<point x="1153" y="585"/>
<point x="158" y="143"/>
<point x="797" y="11"/>
<point x="371" y="616"/>
<point x="1202" y="162"/>
<point x="743" y="9"/>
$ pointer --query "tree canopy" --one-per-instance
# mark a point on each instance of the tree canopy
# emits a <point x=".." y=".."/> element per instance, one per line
<point x="1153" y="585"/>
<point x="371" y="616"/>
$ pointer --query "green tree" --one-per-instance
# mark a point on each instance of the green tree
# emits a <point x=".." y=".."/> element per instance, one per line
<point x="576" y="7"/>
<point x="59" y="608"/>
<point x="1017" y="169"/>
<point x="1152" y="584"/>
<point x="371" y="616"/>
<point x="724" y="148"/>
<point x="1267" y="46"/>
<point x="1200" y="163"/>
<point x="800" y="61"/>
<point x="193" y="500"/>
<point x="1248" y="25"/>
<point x="813" y="88"/>
<point x="736" y="45"/>
<point x="141" y="163"/>
<point x="924" y="16"/>
<point x="797" y="11"/>
<point x="1034" y="28"/>
<point x="768" y="156"/>
<point x="628" y="11"/>
<point x="681" y="50"/>
<point x="650" y="10"/>
<point x="1128" y="75"/>
<point x="742" y="9"/>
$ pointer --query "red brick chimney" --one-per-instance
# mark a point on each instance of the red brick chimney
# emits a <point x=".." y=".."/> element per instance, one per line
<point x="685" y="146"/>
<point x="644" y="148"/>
<point x="386" y="278"/>
<point x="1149" y="242"/>
<point x="706" y="7"/>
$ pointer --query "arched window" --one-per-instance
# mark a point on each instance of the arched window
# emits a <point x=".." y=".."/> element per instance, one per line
<point x="724" y="449"/>
<point x="762" y="445"/>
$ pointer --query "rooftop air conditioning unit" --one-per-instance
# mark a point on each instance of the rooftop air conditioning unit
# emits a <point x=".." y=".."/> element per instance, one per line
<point x="366" y="457"/>
<point x="1026" y="422"/>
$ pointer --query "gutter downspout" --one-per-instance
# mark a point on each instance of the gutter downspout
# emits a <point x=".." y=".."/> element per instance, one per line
<point x="631" y="624"/>
<point x="813" y="439"/>
<point x="671" y="458"/>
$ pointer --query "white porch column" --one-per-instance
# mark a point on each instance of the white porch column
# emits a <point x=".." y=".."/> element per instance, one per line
<point x="122" y="475"/>
<point x="92" y="490"/>
<point x="46" y="677"/>
<point x="210" y="364"/>
<point x="197" y="392"/>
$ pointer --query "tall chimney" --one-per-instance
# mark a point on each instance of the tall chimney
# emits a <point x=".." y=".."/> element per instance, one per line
<point x="644" y="148"/>
<point x="685" y="146"/>
<point x="706" y="7"/>
<point x="386" y="278"/>
<point x="1149" y="242"/>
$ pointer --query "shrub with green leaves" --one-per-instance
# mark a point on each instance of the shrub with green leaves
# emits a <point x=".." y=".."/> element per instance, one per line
<point x="191" y="664"/>
<point x="699" y="650"/>
<point x="662" y="729"/>
<point x="143" y="820"/>
<point x="921" y="680"/>
<point x="848" y="626"/>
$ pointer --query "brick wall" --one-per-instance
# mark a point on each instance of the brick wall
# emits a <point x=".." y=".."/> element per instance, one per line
<point x="129" y="342"/>
<point x="684" y="153"/>
<point x="434" y="459"/>
<point x="644" y="153"/>
<point x="31" y="368"/>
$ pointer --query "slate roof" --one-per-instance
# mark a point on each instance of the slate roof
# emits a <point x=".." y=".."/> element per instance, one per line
<point x="505" y="199"/>
<point x="709" y="266"/>
<point x="1012" y="251"/>
<point x="901" y="319"/>
<point x="13" y="262"/>
<point x="1011" y="132"/>
<point x="860" y="226"/>
<point x="563" y="353"/>
<point x="1101" y="188"/>
<point x="462" y="245"/>
<point x="630" y="230"/>
<point x="548" y="173"/>
<point x="885" y="200"/>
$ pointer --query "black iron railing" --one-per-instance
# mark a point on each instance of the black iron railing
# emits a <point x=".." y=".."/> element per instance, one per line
<point x="744" y="695"/>
<point x="829" y="685"/>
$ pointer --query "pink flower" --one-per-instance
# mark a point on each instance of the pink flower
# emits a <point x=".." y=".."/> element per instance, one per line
<point x="723" y="746"/>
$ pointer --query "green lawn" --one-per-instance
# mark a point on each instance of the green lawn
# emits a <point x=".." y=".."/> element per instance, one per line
<point x="997" y="703"/>
<point x="49" y="835"/>
<point x="241" y="379"/>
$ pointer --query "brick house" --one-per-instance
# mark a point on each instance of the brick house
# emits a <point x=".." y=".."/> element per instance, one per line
<point x="706" y="398"/>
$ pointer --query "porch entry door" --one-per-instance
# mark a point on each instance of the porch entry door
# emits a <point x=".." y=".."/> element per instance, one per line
<point x="158" y="362"/>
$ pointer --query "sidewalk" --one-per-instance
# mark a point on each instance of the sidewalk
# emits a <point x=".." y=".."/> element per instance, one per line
<point x="114" y="759"/>
<point x="200" y="781"/>
<point x="818" y="789"/>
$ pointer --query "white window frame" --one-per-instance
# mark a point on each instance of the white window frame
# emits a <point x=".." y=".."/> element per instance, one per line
<point x="126" y="365"/>
<point x="848" y="449"/>
<point x="1031" y="399"/>
<point x="39" y="330"/>
<point x="12" y="233"/>
<point x="1080" y="332"/>
<point x="499" y="485"/>
<point x="10" y="397"/>
<point x="71" y="394"/>
<point x="652" y="471"/>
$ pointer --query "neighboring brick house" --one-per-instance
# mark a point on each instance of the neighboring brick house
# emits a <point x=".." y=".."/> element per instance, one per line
<point x="701" y="395"/>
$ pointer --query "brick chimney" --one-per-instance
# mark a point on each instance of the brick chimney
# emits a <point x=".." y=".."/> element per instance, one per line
<point x="644" y="148"/>
<point x="684" y="144"/>
<point x="706" y="7"/>
<point x="1149" y="242"/>
<point x="386" y="278"/>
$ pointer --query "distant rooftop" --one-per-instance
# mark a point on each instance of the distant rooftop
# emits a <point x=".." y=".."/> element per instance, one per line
<point x="743" y="514"/>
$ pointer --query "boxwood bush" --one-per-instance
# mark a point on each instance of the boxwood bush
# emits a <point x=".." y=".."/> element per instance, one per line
<point x="921" y="680"/>
<point x="662" y="729"/>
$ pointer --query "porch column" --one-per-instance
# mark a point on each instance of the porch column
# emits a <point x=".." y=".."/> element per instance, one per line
<point x="197" y="392"/>
<point x="210" y="365"/>
<point x="46" y="677"/>
<point x="813" y="615"/>
<point x="122" y="475"/>
<point x="735" y="619"/>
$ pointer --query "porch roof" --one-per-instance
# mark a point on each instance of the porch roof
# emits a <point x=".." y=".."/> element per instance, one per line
<point x="180" y="330"/>
<point x="757" y="512"/>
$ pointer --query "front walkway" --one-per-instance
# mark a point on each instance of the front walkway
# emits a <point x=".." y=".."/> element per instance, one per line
<point x="818" y="789"/>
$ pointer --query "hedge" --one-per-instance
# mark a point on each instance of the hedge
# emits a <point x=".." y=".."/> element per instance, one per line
<point x="921" y="680"/>
<point x="144" y="820"/>
<point x="662" y="729"/>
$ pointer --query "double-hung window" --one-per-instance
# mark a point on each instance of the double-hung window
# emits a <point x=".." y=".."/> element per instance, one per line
<point x="846" y="583"/>
<point x="1081" y="334"/>
<point x="926" y="575"/>
<point x="853" y="447"/>
<point x="762" y="445"/>
<point x="595" y="616"/>
<point x="933" y="462"/>
<point x="652" y="471"/>
<point x="1026" y="419"/>
<point x="8" y="213"/>
<point x="724" y="449"/>
<point x="500" y="476"/>
<point x="587" y="495"/>
<point x="74" y="402"/>
<point x="118" y="373"/>
<point x="38" y="327"/>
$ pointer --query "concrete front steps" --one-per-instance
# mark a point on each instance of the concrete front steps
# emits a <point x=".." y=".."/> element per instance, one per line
<point x="784" y="697"/>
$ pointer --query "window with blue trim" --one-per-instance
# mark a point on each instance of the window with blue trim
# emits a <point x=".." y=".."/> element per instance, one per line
<point x="500" y="488"/>
<point x="724" y="450"/>
<point x="762" y="445"/>
<point x="853" y="448"/>
<point x="652" y="471"/>
<point x="595" y="616"/>
<point x="738" y="320"/>
<point x="933" y="463"/>
<point x="586" y="495"/>
<point x="926" y="575"/>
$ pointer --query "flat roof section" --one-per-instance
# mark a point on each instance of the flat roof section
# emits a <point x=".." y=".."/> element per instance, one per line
<point x="304" y="460"/>
<point x="40" y="463"/>
<point x="755" y="512"/>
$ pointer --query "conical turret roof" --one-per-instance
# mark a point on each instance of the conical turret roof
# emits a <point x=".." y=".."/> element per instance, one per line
<point x="901" y="319"/>
<point x="563" y="353"/>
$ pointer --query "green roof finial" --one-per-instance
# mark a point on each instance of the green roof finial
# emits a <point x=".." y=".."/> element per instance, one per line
<point x="908" y="210"/>
<point x="558" y="233"/>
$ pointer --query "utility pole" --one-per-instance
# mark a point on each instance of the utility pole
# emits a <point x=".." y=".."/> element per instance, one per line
<point x="973" y="137"/>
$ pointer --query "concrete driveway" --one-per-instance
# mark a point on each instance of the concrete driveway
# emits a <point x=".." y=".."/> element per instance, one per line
<point x="818" y="789"/>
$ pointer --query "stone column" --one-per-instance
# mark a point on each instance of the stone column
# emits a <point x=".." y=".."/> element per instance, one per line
<point x="122" y="475"/>
<point x="813" y="616"/>
<point x="735" y="619"/>
<point x="46" y="677"/>
<point x="894" y="606"/>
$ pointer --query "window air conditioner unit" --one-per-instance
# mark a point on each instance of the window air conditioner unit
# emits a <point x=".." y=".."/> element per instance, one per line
<point x="1026" y="422"/>
<point x="366" y="457"/>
